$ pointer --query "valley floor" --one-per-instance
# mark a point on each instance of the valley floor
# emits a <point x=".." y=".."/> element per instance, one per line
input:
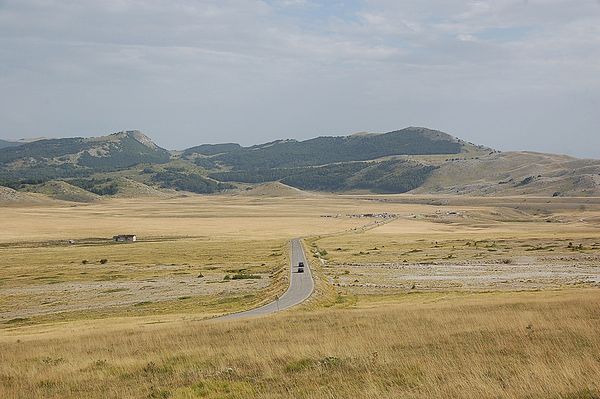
<point x="518" y="345"/>
<point x="415" y="297"/>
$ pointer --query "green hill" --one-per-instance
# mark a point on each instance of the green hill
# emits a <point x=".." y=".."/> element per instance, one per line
<point x="63" y="191"/>
<point x="326" y="150"/>
<point x="417" y="160"/>
<point x="212" y="149"/>
<point x="45" y="160"/>
<point x="365" y="162"/>
<point x="4" y="143"/>
<point x="346" y="163"/>
<point x="393" y="176"/>
<point x="111" y="152"/>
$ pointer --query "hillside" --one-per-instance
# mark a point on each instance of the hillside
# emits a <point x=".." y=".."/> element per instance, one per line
<point x="274" y="189"/>
<point x="63" y="191"/>
<point x="415" y="160"/>
<point x="9" y="196"/>
<point x="115" y="151"/>
<point x="516" y="173"/>
<point x="45" y="160"/>
<point x="389" y="176"/>
<point x="99" y="165"/>
<point x="327" y="150"/>
<point x="4" y="144"/>
<point x="212" y="149"/>
<point x="129" y="188"/>
<point x="359" y="162"/>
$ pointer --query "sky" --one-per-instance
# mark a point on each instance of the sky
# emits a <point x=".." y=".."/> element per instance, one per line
<point x="509" y="74"/>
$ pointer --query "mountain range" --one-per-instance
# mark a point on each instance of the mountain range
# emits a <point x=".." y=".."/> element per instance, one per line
<point x="414" y="159"/>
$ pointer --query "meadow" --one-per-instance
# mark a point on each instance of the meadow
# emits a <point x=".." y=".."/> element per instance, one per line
<point x="208" y="255"/>
<point x="471" y="248"/>
<point x="518" y="345"/>
<point x="458" y="297"/>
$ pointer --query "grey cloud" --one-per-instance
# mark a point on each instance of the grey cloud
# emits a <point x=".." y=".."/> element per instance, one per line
<point x="189" y="71"/>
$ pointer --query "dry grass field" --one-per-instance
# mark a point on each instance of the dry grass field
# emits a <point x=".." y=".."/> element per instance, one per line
<point x="499" y="245"/>
<point x="196" y="254"/>
<point x="518" y="345"/>
<point x="443" y="297"/>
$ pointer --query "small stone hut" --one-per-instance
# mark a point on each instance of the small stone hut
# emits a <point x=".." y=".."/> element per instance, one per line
<point x="125" y="238"/>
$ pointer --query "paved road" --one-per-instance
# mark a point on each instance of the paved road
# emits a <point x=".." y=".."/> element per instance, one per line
<point x="301" y="287"/>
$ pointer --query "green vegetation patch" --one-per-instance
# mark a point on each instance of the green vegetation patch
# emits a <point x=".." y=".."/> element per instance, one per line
<point x="180" y="179"/>
<point x="394" y="176"/>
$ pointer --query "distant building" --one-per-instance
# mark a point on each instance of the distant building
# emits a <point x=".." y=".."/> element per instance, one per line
<point x="125" y="238"/>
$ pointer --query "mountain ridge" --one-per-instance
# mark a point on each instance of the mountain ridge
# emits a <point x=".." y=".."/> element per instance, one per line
<point x="7" y="143"/>
<point x="330" y="149"/>
<point x="414" y="159"/>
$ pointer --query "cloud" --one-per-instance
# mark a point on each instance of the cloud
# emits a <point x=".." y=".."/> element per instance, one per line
<point x="190" y="71"/>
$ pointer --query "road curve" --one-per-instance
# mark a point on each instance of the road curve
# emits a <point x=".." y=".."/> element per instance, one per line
<point x="301" y="287"/>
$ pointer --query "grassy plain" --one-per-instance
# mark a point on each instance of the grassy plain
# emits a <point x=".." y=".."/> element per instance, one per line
<point x="493" y="244"/>
<point x="452" y="297"/>
<point x="195" y="254"/>
<point x="517" y="345"/>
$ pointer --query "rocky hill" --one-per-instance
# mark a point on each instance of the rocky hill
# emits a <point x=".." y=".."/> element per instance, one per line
<point x="516" y="173"/>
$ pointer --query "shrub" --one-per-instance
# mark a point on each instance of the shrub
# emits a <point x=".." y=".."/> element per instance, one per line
<point x="244" y="276"/>
<point x="299" y="365"/>
<point x="330" y="361"/>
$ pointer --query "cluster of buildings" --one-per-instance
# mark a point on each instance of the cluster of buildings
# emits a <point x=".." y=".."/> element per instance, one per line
<point x="383" y="215"/>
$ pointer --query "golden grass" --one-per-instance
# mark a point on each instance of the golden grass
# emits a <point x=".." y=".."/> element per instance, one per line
<point x="44" y="283"/>
<point x="28" y="265"/>
<point x="43" y="278"/>
<point x="226" y="217"/>
<point x="383" y="246"/>
<point x="187" y="246"/>
<point x="339" y="345"/>
<point x="469" y="247"/>
<point x="519" y="345"/>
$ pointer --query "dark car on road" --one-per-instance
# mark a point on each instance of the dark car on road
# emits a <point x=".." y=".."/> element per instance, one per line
<point x="300" y="267"/>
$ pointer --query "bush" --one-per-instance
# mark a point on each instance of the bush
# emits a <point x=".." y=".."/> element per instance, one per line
<point x="181" y="180"/>
<point x="299" y="365"/>
<point x="96" y="186"/>
<point x="103" y="261"/>
<point x="243" y="276"/>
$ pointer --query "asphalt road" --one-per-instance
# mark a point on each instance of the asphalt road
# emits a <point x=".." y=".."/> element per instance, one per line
<point x="301" y="287"/>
